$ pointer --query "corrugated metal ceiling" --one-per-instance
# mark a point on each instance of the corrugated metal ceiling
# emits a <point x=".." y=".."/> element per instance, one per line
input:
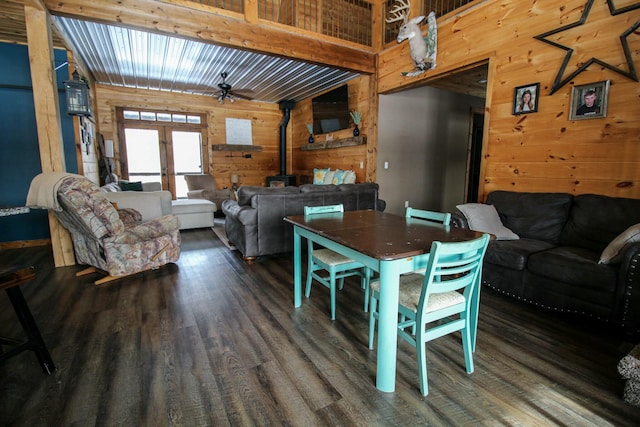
<point x="138" y="59"/>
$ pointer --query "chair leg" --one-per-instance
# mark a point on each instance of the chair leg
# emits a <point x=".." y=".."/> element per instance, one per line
<point x="372" y="320"/>
<point x="467" y="348"/>
<point x="366" y="279"/>
<point x="421" y="349"/>
<point x="86" y="271"/>
<point x="332" y="288"/>
<point x="307" y="290"/>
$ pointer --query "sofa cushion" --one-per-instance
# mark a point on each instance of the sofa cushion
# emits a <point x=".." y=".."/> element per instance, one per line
<point x="319" y="174"/>
<point x="611" y="252"/>
<point x="338" y="177"/>
<point x="513" y="254"/>
<point x="481" y="217"/>
<point x="312" y="188"/>
<point x="539" y="216"/>
<point x="573" y="265"/>
<point x="596" y="220"/>
<point x="246" y="192"/>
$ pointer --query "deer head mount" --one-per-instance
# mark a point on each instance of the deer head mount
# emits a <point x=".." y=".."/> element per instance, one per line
<point x="423" y="49"/>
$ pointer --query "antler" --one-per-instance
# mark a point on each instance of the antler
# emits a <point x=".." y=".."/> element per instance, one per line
<point x="400" y="12"/>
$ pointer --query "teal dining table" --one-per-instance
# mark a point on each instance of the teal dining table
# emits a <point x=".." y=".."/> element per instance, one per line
<point x="388" y="244"/>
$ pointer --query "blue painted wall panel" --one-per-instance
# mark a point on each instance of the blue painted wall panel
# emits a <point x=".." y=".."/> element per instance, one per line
<point x="19" y="150"/>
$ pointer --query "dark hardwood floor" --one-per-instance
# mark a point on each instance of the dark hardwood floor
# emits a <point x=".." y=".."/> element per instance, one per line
<point x="212" y="341"/>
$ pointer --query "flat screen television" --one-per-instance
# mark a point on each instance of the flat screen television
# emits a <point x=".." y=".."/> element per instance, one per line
<point x="331" y="110"/>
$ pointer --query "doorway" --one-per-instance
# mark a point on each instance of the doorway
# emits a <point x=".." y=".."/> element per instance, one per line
<point x="162" y="147"/>
<point x="474" y="155"/>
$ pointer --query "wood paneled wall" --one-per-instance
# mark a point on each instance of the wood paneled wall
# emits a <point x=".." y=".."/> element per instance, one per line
<point x="542" y="151"/>
<point x="265" y="120"/>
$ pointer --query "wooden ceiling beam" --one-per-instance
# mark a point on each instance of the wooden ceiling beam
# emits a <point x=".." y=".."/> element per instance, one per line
<point x="221" y="28"/>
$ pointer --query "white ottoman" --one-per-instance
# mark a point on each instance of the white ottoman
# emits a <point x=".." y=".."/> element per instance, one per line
<point x="193" y="213"/>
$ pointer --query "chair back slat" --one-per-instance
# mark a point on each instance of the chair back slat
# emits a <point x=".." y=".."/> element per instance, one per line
<point x="314" y="210"/>
<point x="453" y="266"/>
<point x="440" y="217"/>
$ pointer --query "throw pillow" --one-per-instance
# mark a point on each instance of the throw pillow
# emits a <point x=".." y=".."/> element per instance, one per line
<point x="485" y="218"/>
<point x="328" y="178"/>
<point x="318" y="175"/>
<point x="614" y="249"/>
<point x="350" y="177"/>
<point x="338" y="177"/>
<point x="131" y="186"/>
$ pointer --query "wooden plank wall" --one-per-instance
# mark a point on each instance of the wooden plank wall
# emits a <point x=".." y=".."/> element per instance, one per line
<point x="542" y="151"/>
<point x="265" y="119"/>
<point x="346" y="158"/>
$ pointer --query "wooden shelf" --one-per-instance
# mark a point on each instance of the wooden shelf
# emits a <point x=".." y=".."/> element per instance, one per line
<point x="235" y="147"/>
<point x="336" y="143"/>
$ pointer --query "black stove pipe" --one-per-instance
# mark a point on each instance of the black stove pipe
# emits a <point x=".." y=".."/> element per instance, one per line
<point x="286" y="107"/>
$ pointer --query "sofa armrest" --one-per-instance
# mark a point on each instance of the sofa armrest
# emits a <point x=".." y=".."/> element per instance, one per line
<point x="195" y="194"/>
<point x="148" y="230"/>
<point x="628" y="292"/>
<point x="245" y="215"/>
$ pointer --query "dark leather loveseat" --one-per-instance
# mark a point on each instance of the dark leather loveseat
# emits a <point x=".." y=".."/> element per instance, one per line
<point x="254" y="223"/>
<point x="555" y="263"/>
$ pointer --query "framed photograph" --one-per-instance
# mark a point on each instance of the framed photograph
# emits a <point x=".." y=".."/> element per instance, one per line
<point x="589" y="101"/>
<point x="525" y="99"/>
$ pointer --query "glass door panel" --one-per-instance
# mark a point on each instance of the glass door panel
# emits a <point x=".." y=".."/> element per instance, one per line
<point x="187" y="158"/>
<point x="143" y="155"/>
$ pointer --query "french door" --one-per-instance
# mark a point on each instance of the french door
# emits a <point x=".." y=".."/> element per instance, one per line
<point x="162" y="147"/>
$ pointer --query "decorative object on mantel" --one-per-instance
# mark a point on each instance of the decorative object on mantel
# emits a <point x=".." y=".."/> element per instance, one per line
<point x="356" y="116"/>
<point x="234" y="181"/>
<point x="423" y="50"/>
<point x="581" y="64"/>
<point x="310" y="130"/>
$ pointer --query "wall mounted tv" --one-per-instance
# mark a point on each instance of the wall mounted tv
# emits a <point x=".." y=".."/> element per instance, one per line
<point x="331" y="110"/>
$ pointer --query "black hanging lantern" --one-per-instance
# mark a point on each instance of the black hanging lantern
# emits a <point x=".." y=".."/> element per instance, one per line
<point x="77" y="96"/>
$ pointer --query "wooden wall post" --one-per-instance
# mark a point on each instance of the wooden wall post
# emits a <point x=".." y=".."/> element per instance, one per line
<point x="45" y="97"/>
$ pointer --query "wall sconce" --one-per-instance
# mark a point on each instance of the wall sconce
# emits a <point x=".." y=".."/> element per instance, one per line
<point x="77" y="96"/>
<point x="234" y="182"/>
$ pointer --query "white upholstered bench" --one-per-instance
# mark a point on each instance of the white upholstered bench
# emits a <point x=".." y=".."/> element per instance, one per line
<point x="194" y="213"/>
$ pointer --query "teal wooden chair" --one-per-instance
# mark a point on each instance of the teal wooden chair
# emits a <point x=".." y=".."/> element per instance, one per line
<point x="336" y="266"/>
<point x="447" y="298"/>
<point x="439" y="217"/>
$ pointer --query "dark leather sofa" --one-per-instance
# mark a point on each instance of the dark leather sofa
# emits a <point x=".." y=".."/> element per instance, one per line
<point x="254" y="223"/>
<point x="555" y="263"/>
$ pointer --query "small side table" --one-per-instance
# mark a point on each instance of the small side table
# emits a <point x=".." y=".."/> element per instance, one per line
<point x="11" y="277"/>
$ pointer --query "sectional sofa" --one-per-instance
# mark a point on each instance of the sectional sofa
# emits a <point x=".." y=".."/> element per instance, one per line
<point x="573" y="254"/>
<point x="254" y="223"/>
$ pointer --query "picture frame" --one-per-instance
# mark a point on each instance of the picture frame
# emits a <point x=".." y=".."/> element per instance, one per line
<point x="589" y="101"/>
<point x="522" y="105"/>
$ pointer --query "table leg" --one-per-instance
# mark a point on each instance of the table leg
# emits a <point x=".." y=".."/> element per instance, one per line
<point x="297" y="268"/>
<point x="35" y="341"/>
<point x="387" y="327"/>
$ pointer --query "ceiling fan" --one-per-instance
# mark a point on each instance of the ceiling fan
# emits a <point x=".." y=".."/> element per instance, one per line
<point x="225" y="91"/>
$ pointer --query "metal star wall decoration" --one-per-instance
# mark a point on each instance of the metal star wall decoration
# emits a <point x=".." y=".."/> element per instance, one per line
<point x="632" y="74"/>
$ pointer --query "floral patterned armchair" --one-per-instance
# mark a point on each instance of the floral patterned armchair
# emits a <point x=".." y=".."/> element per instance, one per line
<point x="102" y="240"/>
